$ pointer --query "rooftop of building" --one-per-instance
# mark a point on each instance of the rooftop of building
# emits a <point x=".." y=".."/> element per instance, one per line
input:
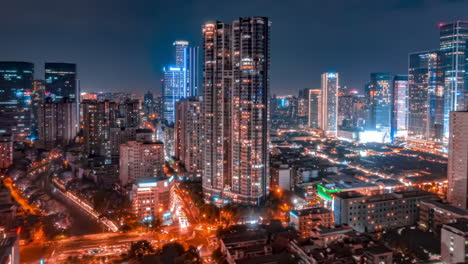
<point x="378" y="250"/>
<point x="309" y="211"/>
<point x="338" y="229"/>
<point x="386" y="196"/>
<point x="280" y="258"/>
<point x="344" y="181"/>
<point x="461" y="225"/>
<point x="447" y="207"/>
<point x="244" y="236"/>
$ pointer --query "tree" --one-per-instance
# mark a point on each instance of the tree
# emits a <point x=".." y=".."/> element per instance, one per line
<point x="139" y="249"/>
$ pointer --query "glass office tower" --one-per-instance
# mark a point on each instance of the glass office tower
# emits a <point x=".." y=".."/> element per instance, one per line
<point x="426" y="96"/>
<point x="400" y="106"/>
<point x="381" y="100"/>
<point x="173" y="91"/>
<point x="61" y="82"/>
<point x="453" y="44"/>
<point x="16" y="88"/>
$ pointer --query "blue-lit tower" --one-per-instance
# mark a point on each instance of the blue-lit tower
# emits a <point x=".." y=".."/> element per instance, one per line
<point x="16" y="88"/>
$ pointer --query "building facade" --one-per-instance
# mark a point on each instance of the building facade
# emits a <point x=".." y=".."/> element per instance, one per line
<point x="329" y="113"/>
<point x="381" y="101"/>
<point x="400" y="106"/>
<point x="454" y="242"/>
<point x="6" y="151"/>
<point x="453" y="45"/>
<point x="16" y="88"/>
<point x="457" y="172"/>
<point x="140" y="160"/>
<point x="315" y="108"/>
<point x="378" y="212"/>
<point x="151" y="198"/>
<point x="426" y="96"/>
<point x="58" y="123"/>
<point x="188" y="135"/>
<point x="235" y="106"/>
<point x="306" y="220"/>
<point x="61" y="82"/>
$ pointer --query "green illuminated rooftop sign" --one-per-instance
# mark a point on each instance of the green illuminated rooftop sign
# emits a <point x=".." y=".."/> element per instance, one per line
<point x="326" y="193"/>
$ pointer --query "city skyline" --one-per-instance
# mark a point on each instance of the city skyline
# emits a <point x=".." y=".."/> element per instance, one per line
<point x="142" y="47"/>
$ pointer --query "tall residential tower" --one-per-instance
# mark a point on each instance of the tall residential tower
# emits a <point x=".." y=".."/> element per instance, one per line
<point x="236" y="86"/>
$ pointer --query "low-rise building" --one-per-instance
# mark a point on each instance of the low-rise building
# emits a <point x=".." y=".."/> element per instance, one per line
<point x="433" y="215"/>
<point x="377" y="255"/>
<point x="379" y="212"/>
<point x="306" y="220"/>
<point x="9" y="250"/>
<point x="454" y="242"/>
<point x="6" y="151"/>
<point x="140" y="160"/>
<point x="152" y="198"/>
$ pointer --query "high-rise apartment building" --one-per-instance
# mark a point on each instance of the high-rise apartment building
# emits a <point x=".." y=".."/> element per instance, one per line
<point x="400" y="106"/>
<point x="217" y="86"/>
<point x="6" y="151"/>
<point x="329" y="113"/>
<point x="381" y="101"/>
<point x="453" y="44"/>
<point x="315" y="108"/>
<point x="188" y="135"/>
<point x="457" y="172"/>
<point x="426" y="96"/>
<point x="61" y="82"/>
<point x="235" y="94"/>
<point x="98" y="118"/>
<point x="131" y="113"/>
<point x="58" y="123"/>
<point x="16" y="88"/>
<point x="140" y="160"/>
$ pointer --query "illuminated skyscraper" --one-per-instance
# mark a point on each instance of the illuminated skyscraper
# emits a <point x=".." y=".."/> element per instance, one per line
<point x="173" y="90"/>
<point x="236" y="84"/>
<point x="61" y="82"/>
<point x="457" y="172"/>
<point x="426" y="96"/>
<point x="188" y="135"/>
<point x="381" y="101"/>
<point x="181" y="80"/>
<point x="453" y="44"/>
<point x="315" y="107"/>
<point x="188" y="58"/>
<point x="329" y="118"/>
<point x="400" y="106"/>
<point x="98" y="118"/>
<point x="16" y="88"/>
<point x="217" y="86"/>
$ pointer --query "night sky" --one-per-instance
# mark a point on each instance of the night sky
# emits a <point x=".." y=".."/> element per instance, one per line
<point x="122" y="45"/>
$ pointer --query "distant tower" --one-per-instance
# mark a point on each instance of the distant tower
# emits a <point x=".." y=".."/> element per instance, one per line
<point x="426" y="96"/>
<point x="16" y="88"/>
<point x="329" y="118"/>
<point x="381" y="100"/>
<point x="457" y="172"/>
<point x="453" y="44"/>
<point x="61" y="82"/>
<point x="400" y="106"/>
<point x="315" y="108"/>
